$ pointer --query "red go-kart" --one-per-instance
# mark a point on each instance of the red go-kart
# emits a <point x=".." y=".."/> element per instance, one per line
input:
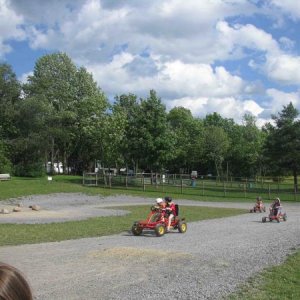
<point x="258" y="208"/>
<point x="157" y="222"/>
<point x="273" y="216"/>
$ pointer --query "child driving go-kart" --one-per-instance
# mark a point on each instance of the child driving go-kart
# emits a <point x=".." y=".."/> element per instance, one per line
<point x="276" y="212"/>
<point x="259" y="206"/>
<point x="170" y="212"/>
<point x="161" y="217"/>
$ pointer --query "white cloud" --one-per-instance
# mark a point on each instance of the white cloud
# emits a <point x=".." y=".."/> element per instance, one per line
<point x="182" y="49"/>
<point x="227" y="107"/>
<point x="283" y="68"/>
<point x="9" y="27"/>
<point x="173" y="29"/>
<point x="247" y="36"/>
<point x="277" y="65"/>
<point x="290" y="7"/>
<point x="278" y="99"/>
<point x="171" y="78"/>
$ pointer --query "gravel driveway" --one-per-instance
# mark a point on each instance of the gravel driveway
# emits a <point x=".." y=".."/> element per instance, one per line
<point x="208" y="262"/>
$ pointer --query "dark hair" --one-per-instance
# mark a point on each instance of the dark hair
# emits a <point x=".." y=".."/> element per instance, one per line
<point x="13" y="286"/>
<point x="168" y="199"/>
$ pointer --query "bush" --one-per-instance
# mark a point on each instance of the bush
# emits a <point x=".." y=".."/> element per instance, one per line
<point x="30" y="170"/>
<point x="5" y="164"/>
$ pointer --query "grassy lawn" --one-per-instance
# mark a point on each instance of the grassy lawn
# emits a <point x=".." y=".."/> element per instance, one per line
<point x="276" y="283"/>
<point x="18" y="187"/>
<point x="15" y="234"/>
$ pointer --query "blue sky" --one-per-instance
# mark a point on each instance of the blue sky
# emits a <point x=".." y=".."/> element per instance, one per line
<point x="227" y="56"/>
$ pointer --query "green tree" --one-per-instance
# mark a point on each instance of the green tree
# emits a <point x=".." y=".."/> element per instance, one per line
<point x="188" y="140"/>
<point x="216" y="146"/>
<point x="244" y="157"/>
<point x="146" y="143"/>
<point x="75" y="109"/>
<point x="90" y="123"/>
<point x="54" y="81"/>
<point x="128" y="106"/>
<point x="31" y="142"/>
<point x="5" y="164"/>
<point x="282" y="145"/>
<point x="9" y="99"/>
<point x="155" y="143"/>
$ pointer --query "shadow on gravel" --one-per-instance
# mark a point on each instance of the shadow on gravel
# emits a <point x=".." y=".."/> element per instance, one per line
<point x="144" y="234"/>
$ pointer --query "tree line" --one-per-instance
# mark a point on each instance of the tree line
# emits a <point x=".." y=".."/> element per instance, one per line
<point x="61" y="115"/>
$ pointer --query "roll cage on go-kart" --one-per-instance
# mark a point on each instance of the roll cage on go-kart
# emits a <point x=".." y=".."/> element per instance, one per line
<point x="157" y="222"/>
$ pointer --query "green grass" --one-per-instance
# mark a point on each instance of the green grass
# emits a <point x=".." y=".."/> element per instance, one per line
<point x="276" y="283"/>
<point x="15" y="234"/>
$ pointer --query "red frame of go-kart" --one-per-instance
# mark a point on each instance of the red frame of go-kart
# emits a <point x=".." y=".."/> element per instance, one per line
<point x="156" y="220"/>
<point x="258" y="208"/>
<point x="280" y="217"/>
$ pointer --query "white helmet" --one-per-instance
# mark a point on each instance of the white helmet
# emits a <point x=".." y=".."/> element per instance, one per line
<point x="159" y="200"/>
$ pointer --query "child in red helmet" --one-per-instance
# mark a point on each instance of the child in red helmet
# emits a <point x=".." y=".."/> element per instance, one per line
<point x="170" y="210"/>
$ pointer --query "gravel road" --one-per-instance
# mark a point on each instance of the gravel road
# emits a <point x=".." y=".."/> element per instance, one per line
<point x="209" y="261"/>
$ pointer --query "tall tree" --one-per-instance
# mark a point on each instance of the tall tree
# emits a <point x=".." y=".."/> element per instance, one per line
<point x="88" y="131"/>
<point x="129" y="107"/>
<point x="244" y="157"/>
<point x="155" y="137"/>
<point x="54" y="81"/>
<point x="31" y="143"/>
<point x="10" y="90"/>
<point x="75" y="109"/>
<point x="146" y="142"/>
<point x="188" y="140"/>
<point x="282" y="146"/>
<point x="216" y="146"/>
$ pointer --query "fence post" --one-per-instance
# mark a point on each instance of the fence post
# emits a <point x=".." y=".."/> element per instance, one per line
<point x="109" y="178"/>
<point x="245" y="189"/>
<point x="126" y="181"/>
<point x="96" y="179"/>
<point x="181" y="184"/>
<point x="144" y="187"/>
<point x="295" y="192"/>
<point x="83" y="178"/>
<point x="269" y="188"/>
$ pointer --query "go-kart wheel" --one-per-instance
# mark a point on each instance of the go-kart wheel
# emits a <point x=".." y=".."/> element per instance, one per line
<point x="251" y="210"/>
<point x="136" y="230"/>
<point x="284" y="217"/>
<point x="182" y="227"/>
<point x="264" y="219"/>
<point x="160" y="230"/>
